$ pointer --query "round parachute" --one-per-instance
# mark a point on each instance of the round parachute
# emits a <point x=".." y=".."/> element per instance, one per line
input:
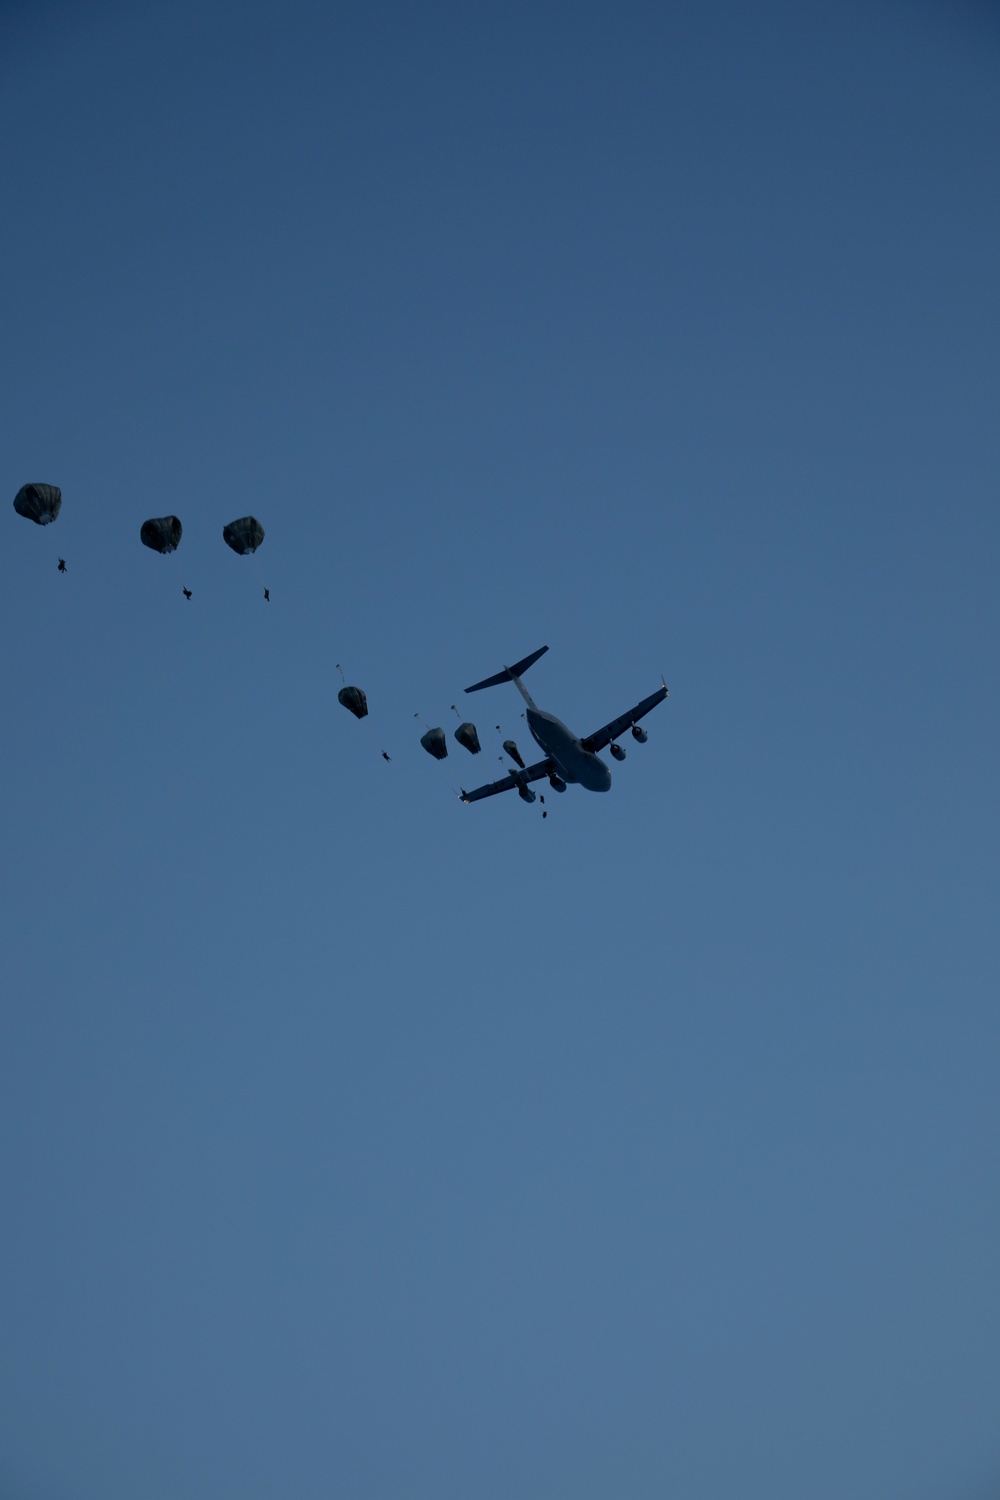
<point x="467" y="736"/>
<point x="244" y="535"/>
<point x="38" y="502"/>
<point x="163" y="534"/>
<point x="435" y="743"/>
<point x="354" y="699"/>
<point x="511" y="748"/>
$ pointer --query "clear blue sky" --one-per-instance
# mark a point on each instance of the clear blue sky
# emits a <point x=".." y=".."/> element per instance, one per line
<point x="357" y="1143"/>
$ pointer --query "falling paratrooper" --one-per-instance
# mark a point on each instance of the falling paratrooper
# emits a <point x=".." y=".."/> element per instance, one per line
<point x="38" y="502"/>
<point x="161" y="533"/>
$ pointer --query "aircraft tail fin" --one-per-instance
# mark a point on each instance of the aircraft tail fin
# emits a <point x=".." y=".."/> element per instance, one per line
<point x="509" y="673"/>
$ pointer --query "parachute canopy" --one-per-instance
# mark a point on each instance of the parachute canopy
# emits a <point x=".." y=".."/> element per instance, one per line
<point x="514" y="753"/>
<point x="435" y="743"/>
<point x="354" y="699"/>
<point x="467" y="736"/>
<point x="244" y="535"/>
<point x="163" y="534"/>
<point x="38" y="502"/>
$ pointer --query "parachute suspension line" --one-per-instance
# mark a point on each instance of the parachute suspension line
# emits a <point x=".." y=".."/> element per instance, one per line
<point x="41" y="504"/>
<point x="258" y="572"/>
<point x="162" y="535"/>
<point x="244" y="536"/>
<point x="355" y="700"/>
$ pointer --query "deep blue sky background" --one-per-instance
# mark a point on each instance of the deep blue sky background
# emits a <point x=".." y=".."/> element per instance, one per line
<point x="356" y="1143"/>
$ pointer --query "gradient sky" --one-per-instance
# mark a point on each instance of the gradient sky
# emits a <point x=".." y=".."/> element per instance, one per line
<point x="357" y="1143"/>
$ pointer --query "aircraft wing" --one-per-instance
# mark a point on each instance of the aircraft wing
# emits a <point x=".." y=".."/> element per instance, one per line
<point x="618" y="726"/>
<point x="519" y="778"/>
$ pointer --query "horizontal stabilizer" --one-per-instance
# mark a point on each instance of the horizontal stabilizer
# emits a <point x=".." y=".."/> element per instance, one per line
<point x="509" y="673"/>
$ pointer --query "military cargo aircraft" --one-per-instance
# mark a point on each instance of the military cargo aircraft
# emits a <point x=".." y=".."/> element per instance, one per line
<point x="567" y="758"/>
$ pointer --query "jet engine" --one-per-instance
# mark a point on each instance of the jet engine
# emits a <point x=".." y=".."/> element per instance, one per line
<point x="639" y="734"/>
<point x="525" y="793"/>
<point x="617" y="752"/>
<point x="556" y="783"/>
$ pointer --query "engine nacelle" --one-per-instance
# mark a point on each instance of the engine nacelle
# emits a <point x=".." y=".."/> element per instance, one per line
<point x="556" y="783"/>
<point x="639" y="734"/>
<point x="526" y="794"/>
<point x="617" y="752"/>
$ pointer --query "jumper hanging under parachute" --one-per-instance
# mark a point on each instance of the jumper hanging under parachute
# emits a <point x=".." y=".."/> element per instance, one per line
<point x="162" y="534"/>
<point x="244" y="535"/>
<point x="38" y="502"/>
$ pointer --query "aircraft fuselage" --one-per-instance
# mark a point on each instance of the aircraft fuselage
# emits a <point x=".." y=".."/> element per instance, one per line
<point x="573" y="762"/>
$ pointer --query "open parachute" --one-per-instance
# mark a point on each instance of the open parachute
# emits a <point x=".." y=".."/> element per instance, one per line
<point x="38" y="502"/>
<point x="163" y="534"/>
<point x="467" y="735"/>
<point x="354" y="698"/>
<point x="435" y="743"/>
<point x="244" y="535"/>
